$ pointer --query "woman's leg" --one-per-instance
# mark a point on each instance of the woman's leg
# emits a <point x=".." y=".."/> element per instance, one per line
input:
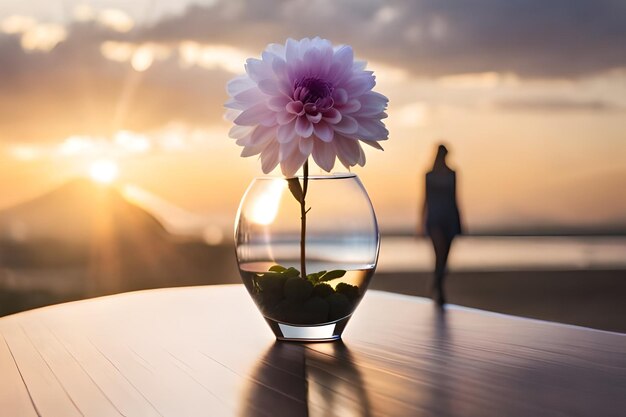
<point x="441" y="245"/>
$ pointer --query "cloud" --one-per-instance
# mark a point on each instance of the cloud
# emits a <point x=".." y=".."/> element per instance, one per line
<point x="555" y="104"/>
<point x="74" y="89"/>
<point x="528" y="38"/>
<point x="173" y="137"/>
<point x="34" y="35"/>
<point x="105" y="72"/>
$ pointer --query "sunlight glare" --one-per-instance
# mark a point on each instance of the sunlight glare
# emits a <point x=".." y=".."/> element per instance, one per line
<point x="413" y="115"/>
<point x="83" y="13"/>
<point x="132" y="142"/>
<point x="212" y="56"/>
<point x="103" y="171"/>
<point x="142" y="58"/>
<point x="35" y="36"/>
<point x="117" y="51"/>
<point x="116" y="20"/>
<point x="265" y="208"/>
<point x="17" y="24"/>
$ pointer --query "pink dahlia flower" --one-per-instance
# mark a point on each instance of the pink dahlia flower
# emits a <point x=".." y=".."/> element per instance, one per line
<point x="306" y="98"/>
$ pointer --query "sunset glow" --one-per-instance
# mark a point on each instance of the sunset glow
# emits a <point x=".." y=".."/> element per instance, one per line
<point x="104" y="171"/>
<point x="537" y="142"/>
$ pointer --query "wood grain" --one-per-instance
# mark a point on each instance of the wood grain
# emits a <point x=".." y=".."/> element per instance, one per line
<point x="206" y="351"/>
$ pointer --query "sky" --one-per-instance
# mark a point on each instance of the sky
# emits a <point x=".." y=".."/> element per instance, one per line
<point x="529" y="96"/>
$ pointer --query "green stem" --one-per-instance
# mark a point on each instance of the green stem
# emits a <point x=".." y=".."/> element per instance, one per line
<point x="305" y="184"/>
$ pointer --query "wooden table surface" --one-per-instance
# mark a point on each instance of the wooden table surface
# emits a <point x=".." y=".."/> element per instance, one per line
<point x="206" y="351"/>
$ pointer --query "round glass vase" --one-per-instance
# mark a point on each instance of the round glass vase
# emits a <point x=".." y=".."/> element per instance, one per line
<point x="340" y="248"/>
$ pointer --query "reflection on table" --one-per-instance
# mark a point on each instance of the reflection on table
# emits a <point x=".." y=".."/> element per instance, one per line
<point x="207" y="351"/>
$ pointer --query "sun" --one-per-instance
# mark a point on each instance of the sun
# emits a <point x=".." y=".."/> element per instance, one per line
<point x="103" y="171"/>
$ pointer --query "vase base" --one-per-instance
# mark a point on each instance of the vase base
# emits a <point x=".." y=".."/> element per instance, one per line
<point x="326" y="332"/>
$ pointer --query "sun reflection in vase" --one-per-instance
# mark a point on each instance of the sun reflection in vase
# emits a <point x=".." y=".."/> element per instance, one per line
<point x="265" y="209"/>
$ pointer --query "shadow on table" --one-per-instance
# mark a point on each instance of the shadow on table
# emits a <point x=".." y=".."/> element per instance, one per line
<point x="297" y="380"/>
<point x="437" y="398"/>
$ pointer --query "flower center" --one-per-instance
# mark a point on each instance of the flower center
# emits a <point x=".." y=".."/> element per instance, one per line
<point x="310" y="90"/>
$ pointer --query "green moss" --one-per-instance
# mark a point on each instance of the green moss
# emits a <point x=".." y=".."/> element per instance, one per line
<point x="297" y="289"/>
<point x="350" y="291"/>
<point x="314" y="310"/>
<point x="340" y="306"/>
<point x="323" y="290"/>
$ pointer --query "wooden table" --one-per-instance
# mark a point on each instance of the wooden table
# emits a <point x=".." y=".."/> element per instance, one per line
<point x="206" y="351"/>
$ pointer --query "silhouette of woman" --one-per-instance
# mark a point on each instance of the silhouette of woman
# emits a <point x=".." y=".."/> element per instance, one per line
<point x="441" y="216"/>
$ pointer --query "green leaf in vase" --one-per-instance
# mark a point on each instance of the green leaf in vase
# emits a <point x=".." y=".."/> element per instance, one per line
<point x="315" y="276"/>
<point x="291" y="272"/>
<point x="280" y="271"/>
<point x="277" y="268"/>
<point x="330" y="275"/>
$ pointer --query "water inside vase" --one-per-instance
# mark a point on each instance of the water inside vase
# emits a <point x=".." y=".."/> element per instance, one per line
<point x="294" y="300"/>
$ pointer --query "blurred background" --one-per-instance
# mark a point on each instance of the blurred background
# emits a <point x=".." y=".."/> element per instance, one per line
<point x="117" y="173"/>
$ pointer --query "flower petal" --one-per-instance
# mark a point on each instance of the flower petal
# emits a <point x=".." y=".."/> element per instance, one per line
<point x="278" y="103"/>
<point x="373" y="144"/>
<point x="323" y="131"/>
<point x="295" y="107"/>
<point x="311" y="59"/>
<point x="269" y="157"/>
<point x="258" y="69"/>
<point x="254" y="115"/>
<point x="359" y="66"/>
<point x="342" y="63"/>
<point x="231" y="114"/>
<point x="239" y="84"/>
<point x="284" y="117"/>
<point x="304" y="128"/>
<point x="289" y="166"/>
<point x="248" y="151"/>
<point x="324" y="155"/>
<point x="291" y="50"/>
<point x="358" y="85"/>
<point x="250" y="96"/>
<point x="372" y="103"/>
<point x="291" y="159"/>
<point x="277" y="49"/>
<point x="279" y="67"/>
<point x="269" y="86"/>
<point x="306" y="145"/>
<point x="262" y="135"/>
<point x="347" y="150"/>
<point x="361" y="160"/>
<point x="340" y="96"/>
<point x="369" y="129"/>
<point x="287" y="148"/>
<point x="286" y="133"/>
<point x="326" y="59"/>
<point x="348" y="125"/>
<point x="314" y="118"/>
<point x="238" y="132"/>
<point x="332" y="116"/>
<point x="235" y="105"/>
<point x="351" y="106"/>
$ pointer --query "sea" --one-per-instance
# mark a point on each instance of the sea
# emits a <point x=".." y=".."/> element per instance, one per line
<point x="521" y="253"/>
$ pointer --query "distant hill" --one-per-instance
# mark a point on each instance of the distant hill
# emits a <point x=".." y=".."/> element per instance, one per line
<point x="84" y="239"/>
<point x="74" y="213"/>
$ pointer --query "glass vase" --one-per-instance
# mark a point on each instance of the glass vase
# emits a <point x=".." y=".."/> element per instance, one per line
<point x="339" y="252"/>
